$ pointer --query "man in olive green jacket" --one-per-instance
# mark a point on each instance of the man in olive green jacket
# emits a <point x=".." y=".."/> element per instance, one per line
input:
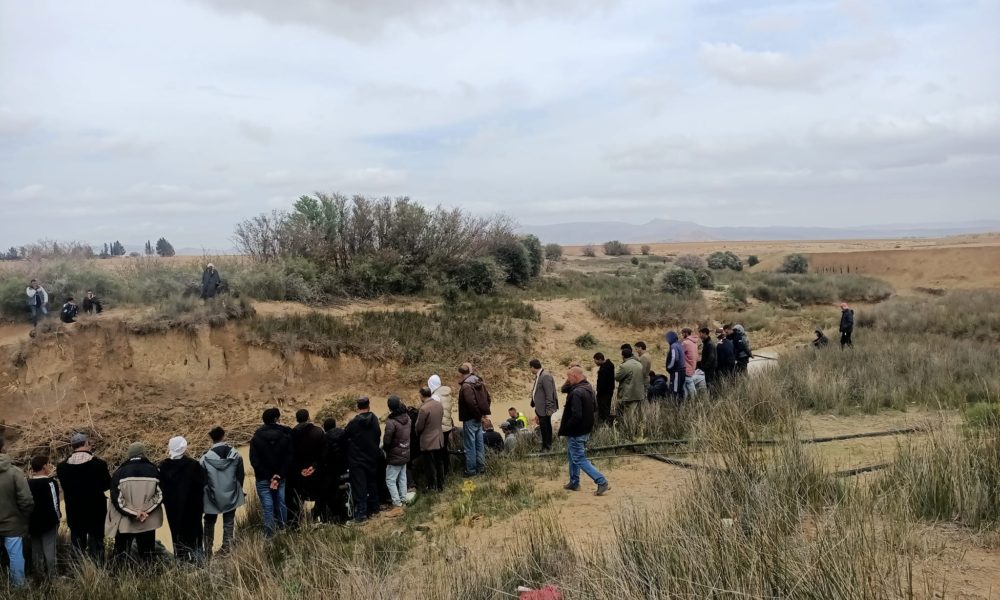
<point x="631" y="387"/>
<point x="16" y="504"/>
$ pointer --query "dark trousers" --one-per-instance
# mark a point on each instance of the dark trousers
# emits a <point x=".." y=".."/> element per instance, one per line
<point x="677" y="384"/>
<point x="434" y="462"/>
<point x="604" y="406"/>
<point x="364" y="488"/>
<point x="845" y="337"/>
<point x="188" y="541"/>
<point x="89" y="540"/>
<point x="146" y="542"/>
<point x="295" y="494"/>
<point x="545" y="426"/>
<point x="331" y="505"/>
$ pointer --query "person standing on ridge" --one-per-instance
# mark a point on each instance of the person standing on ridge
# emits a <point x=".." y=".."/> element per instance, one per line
<point x="38" y="301"/>
<point x="576" y="426"/>
<point x="544" y="400"/>
<point x="210" y="282"/>
<point x="846" y="325"/>
<point x="473" y="404"/>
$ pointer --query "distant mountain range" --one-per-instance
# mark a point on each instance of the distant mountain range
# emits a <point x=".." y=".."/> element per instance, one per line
<point x="665" y="230"/>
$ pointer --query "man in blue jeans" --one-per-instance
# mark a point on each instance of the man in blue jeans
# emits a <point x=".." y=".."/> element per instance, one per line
<point x="16" y="504"/>
<point x="271" y="459"/>
<point x="473" y="404"/>
<point x="576" y="425"/>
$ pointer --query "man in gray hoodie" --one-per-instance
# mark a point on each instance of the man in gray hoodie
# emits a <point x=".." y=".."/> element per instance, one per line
<point x="16" y="504"/>
<point x="223" y="489"/>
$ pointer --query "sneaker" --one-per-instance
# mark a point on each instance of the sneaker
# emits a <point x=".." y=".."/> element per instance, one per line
<point x="602" y="489"/>
<point x="571" y="487"/>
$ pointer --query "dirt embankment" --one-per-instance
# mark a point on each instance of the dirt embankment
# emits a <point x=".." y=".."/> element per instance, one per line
<point x="126" y="387"/>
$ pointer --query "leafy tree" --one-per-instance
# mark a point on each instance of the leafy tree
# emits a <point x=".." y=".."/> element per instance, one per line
<point x="535" y="253"/>
<point x="795" y="263"/>
<point x="616" y="248"/>
<point x="11" y="254"/>
<point x="680" y="282"/>
<point x="117" y="249"/>
<point x="105" y="253"/>
<point x="691" y="262"/>
<point x="724" y="260"/>
<point x="479" y="276"/>
<point x="752" y="260"/>
<point x="553" y="251"/>
<point x="149" y="248"/>
<point x="163" y="248"/>
<point x="515" y="261"/>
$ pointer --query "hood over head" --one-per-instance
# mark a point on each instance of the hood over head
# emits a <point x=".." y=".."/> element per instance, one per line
<point x="739" y="329"/>
<point x="176" y="447"/>
<point x="4" y="462"/>
<point x="671" y="337"/>
<point x="433" y="383"/>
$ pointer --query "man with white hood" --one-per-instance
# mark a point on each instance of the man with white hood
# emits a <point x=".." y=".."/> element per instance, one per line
<point x="182" y="480"/>
<point x="225" y="474"/>
<point x="442" y="394"/>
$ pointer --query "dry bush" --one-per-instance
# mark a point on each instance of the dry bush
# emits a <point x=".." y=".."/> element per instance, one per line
<point x="965" y="314"/>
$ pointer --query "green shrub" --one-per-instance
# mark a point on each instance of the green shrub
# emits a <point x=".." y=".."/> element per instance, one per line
<point x="794" y="263"/>
<point x="635" y="260"/>
<point x="680" y="282"/>
<point x="724" y="260"/>
<point x="515" y="261"/>
<point x="553" y="252"/>
<point x="752" y="260"/>
<point x="962" y="314"/>
<point x="616" y="248"/>
<point x="737" y="292"/>
<point x="479" y="276"/>
<point x="649" y="309"/>
<point x="586" y="341"/>
<point x="536" y="255"/>
<point x="983" y="415"/>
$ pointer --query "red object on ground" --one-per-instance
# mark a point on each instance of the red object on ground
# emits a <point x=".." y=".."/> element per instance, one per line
<point x="549" y="592"/>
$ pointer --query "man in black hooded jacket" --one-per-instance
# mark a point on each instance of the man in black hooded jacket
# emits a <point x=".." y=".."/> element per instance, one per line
<point x="271" y="458"/>
<point x="332" y="505"/>
<point x="84" y="479"/>
<point x="308" y="444"/>
<point x="362" y="435"/>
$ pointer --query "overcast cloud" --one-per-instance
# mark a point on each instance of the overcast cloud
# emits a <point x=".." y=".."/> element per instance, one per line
<point x="131" y="120"/>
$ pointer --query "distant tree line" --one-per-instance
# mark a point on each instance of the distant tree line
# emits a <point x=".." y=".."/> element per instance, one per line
<point x="74" y="249"/>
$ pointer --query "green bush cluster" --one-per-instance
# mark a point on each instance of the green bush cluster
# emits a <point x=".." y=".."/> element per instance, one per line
<point x="724" y="260"/>
<point x="616" y="248"/>
<point x="680" y="282"/>
<point x="794" y="290"/>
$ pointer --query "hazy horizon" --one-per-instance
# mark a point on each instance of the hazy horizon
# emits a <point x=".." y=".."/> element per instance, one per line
<point x="134" y="121"/>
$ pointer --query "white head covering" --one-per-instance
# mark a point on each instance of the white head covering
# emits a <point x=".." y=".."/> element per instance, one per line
<point x="434" y="383"/>
<point x="177" y="447"/>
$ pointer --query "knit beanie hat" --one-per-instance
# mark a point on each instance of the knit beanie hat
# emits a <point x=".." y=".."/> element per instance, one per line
<point x="136" y="449"/>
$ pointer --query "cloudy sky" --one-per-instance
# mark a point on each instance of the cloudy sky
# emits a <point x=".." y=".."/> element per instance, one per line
<point x="131" y="120"/>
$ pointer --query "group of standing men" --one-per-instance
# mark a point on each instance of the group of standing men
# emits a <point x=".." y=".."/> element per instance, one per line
<point x="694" y="363"/>
<point x="127" y="505"/>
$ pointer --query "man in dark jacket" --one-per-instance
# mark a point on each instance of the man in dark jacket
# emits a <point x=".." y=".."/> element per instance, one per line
<point x="396" y="445"/>
<point x="16" y="506"/>
<point x="544" y="400"/>
<point x="725" y="354"/>
<point x="271" y="459"/>
<point x="69" y="311"/>
<point x="182" y="480"/>
<point x="709" y="359"/>
<point x="84" y="479"/>
<point x="210" y="282"/>
<point x="92" y="304"/>
<point x="473" y="404"/>
<point x="741" y="346"/>
<point x="362" y="437"/>
<point x="308" y="444"/>
<point x="576" y="426"/>
<point x="821" y="340"/>
<point x="43" y="526"/>
<point x="846" y="325"/>
<point x="659" y="385"/>
<point x="333" y="505"/>
<point x="605" y="387"/>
